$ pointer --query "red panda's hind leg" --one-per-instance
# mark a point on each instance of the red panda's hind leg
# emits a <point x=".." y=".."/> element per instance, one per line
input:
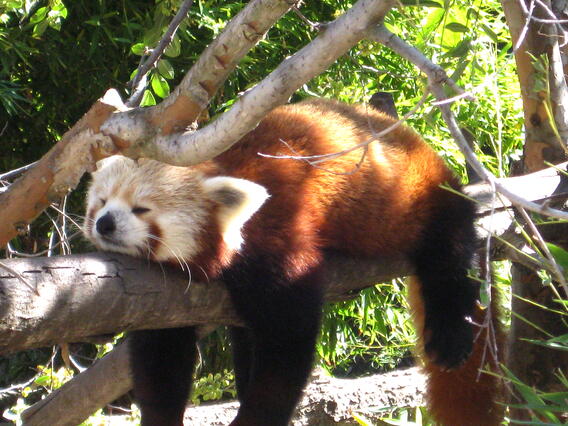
<point x="162" y="365"/>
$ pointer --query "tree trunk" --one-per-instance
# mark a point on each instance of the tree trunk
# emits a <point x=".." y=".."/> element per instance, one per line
<point x="535" y="365"/>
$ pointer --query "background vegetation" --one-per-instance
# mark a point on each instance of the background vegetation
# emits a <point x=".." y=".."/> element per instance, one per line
<point x="57" y="57"/>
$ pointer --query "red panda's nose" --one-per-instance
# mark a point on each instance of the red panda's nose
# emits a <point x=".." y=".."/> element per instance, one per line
<point x="105" y="225"/>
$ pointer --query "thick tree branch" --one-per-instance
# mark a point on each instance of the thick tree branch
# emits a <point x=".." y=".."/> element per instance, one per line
<point x="73" y="288"/>
<point x="144" y="132"/>
<point x="213" y="67"/>
<point x="330" y="401"/>
<point x="60" y="169"/>
<point x="134" y="294"/>
<point x="138" y="294"/>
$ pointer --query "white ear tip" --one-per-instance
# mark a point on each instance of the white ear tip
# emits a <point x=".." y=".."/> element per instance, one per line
<point x="108" y="161"/>
<point x="238" y="200"/>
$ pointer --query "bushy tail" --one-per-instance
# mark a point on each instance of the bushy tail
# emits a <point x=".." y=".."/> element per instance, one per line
<point x="463" y="396"/>
<point x="444" y="303"/>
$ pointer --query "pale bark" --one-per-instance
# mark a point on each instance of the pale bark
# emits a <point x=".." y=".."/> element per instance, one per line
<point x="195" y="147"/>
<point x="58" y="171"/>
<point x="99" y="293"/>
<point x="328" y="401"/>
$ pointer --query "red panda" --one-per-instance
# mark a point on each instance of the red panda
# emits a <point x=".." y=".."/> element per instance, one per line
<point x="262" y="226"/>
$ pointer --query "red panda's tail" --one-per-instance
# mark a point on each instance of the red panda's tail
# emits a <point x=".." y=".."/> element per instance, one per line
<point x="462" y="396"/>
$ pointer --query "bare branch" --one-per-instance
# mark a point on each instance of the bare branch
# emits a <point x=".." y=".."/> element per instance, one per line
<point x="12" y="174"/>
<point x="61" y="168"/>
<point x="384" y="36"/>
<point x="193" y="148"/>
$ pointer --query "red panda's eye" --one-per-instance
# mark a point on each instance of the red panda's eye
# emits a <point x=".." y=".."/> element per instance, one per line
<point x="140" y="210"/>
<point x="103" y="201"/>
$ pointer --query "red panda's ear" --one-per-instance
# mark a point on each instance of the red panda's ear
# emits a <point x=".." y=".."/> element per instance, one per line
<point x="112" y="160"/>
<point x="238" y="200"/>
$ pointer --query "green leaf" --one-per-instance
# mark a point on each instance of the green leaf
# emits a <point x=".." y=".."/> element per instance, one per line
<point x="457" y="27"/>
<point x="560" y="255"/>
<point x="148" y="99"/>
<point x="558" y="342"/>
<point x="174" y="49"/>
<point x="165" y="69"/>
<point x="490" y="33"/>
<point x="138" y="49"/>
<point x="39" y="15"/>
<point x="40" y="28"/>
<point x="160" y="86"/>
<point x="462" y="48"/>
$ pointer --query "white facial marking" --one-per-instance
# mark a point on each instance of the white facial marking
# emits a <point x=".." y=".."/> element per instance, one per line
<point x="130" y="232"/>
<point x="173" y="209"/>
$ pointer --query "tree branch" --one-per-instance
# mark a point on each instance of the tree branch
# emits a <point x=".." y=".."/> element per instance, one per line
<point x="137" y="89"/>
<point x="72" y="288"/>
<point x="58" y="171"/>
<point x="144" y="132"/>
<point x="384" y="36"/>
<point x="195" y="147"/>
<point x="136" y="294"/>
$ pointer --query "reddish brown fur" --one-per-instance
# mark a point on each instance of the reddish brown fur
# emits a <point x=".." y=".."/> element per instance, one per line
<point x="389" y="204"/>
<point x="312" y="204"/>
<point x="462" y="396"/>
<point x="379" y="210"/>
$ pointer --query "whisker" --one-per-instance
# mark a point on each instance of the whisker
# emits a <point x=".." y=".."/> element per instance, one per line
<point x="150" y="252"/>
<point x="181" y="261"/>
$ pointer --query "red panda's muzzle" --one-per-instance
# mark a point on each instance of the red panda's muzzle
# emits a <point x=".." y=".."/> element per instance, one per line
<point x="106" y="225"/>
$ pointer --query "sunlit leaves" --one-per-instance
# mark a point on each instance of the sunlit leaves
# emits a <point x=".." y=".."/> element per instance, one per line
<point x="160" y="86"/>
<point x="165" y="69"/>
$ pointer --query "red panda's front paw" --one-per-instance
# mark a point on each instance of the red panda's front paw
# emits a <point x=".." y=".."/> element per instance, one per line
<point x="448" y="343"/>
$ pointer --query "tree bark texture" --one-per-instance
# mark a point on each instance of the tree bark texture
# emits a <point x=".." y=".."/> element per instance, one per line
<point x="329" y="402"/>
<point x="94" y="294"/>
<point x="532" y="364"/>
<point x="101" y="293"/>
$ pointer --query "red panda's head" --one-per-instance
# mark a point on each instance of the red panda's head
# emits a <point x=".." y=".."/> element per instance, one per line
<point x="150" y="209"/>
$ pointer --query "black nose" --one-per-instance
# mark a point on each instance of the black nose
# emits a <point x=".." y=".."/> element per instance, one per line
<point x="105" y="224"/>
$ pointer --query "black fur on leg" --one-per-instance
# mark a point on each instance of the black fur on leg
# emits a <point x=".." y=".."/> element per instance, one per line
<point x="162" y="365"/>
<point x="242" y="345"/>
<point x="284" y="319"/>
<point x="442" y="261"/>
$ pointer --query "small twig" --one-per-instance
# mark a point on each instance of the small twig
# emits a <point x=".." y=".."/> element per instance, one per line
<point x="542" y="244"/>
<point x="16" y="172"/>
<point x="382" y="35"/>
<point x="13" y="252"/>
<point x="316" y="26"/>
<point x="313" y="160"/>
<point x="4" y="128"/>
<point x="20" y="277"/>
<point x="157" y="53"/>
<point x="523" y="33"/>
